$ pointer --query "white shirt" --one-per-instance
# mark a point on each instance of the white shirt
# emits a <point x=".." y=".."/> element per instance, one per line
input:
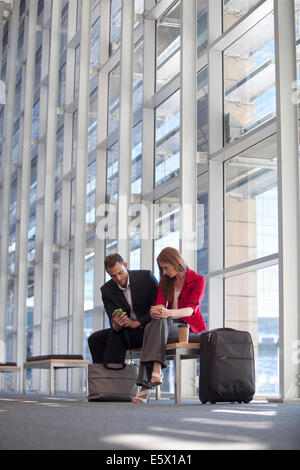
<point x="175" y="301"/>
<point x="127" y="292"/>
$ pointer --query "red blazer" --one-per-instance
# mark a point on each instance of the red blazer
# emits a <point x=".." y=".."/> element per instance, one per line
<point x="190" y="296"/>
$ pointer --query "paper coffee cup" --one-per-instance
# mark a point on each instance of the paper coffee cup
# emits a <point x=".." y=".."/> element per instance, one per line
<point x="183" y="333"/>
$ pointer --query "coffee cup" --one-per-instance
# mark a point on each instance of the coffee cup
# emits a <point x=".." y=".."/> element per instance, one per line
<point x="183" y="333"/>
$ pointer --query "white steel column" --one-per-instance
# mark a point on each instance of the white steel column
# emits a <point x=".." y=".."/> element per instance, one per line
<point x="49" y="182"/>
<point x="188" y="136"/>
<point x="188" y="155"/>
<point x="99" y="278"/>
<point x="7" y="163"/>
<point x="39" y="239"/>
<point x="25" y="183"/>
<point x="80" y="192"/>
<point x="148" y="141"/>
<point x="216" y="186"/>
<point x="125" y="129"/>
<point x="64" y="270"/>
<point x="289" y="199"/>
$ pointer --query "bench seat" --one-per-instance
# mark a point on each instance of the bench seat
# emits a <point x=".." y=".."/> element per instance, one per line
<point x="54" y="362"/>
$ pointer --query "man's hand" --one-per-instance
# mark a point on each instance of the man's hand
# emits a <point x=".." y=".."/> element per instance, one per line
<point x="133" y="324"/>
<point x="119" y="320"/>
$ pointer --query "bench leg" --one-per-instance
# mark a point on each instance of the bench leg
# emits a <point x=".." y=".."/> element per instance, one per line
<point x="86" y="381"/>
<point x="177" y="364"/>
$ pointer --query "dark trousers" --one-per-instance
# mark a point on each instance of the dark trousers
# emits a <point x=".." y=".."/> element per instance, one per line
<point x="110" y="346"/>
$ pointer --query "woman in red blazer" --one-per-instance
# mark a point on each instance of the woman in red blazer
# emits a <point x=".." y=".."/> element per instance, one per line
<point x="178" y="301"/>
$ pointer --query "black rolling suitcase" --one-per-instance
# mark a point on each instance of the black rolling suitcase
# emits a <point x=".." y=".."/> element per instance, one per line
<point x="227" y="371"/>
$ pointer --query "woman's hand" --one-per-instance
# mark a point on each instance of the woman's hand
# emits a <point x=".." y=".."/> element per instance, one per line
<point x="159" y="311"/>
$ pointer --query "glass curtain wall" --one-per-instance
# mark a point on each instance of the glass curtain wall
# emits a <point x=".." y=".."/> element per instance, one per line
<point x="236" y="80"/>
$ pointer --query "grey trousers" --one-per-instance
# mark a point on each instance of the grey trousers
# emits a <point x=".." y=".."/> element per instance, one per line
<point x="157" y="334"/>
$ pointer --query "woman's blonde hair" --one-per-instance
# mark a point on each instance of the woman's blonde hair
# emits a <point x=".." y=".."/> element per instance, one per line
<point x="171" y="256"/>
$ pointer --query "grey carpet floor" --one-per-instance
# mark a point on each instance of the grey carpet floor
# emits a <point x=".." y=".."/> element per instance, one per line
<point x="41" y="423"/>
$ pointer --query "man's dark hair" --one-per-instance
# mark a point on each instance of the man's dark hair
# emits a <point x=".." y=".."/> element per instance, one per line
<point x="111" y="260"/>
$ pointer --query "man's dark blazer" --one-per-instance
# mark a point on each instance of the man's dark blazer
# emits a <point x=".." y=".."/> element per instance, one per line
<point x="143" y="287"/>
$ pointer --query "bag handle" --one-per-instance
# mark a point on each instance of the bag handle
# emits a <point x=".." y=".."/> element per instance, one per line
<point x="114" y="368"/>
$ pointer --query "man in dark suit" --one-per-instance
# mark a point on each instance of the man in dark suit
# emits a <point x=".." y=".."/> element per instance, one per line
<point x="133" y="292"/>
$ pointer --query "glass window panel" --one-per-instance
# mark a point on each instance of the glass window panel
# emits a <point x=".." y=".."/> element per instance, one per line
<point x="35" y="120"/>
<point x="95" y="3"/>
<point x="136" y="189"/>
<point x="138" y="6"/>
<point x="114" y="99"/>
<point x="138" y="10"/>
<point x="110" y="227"/>
<point x="252" y="304"/>
<point x="91" y="194"/>
<point x="202" y="33"/>
<point x="112" y="173"/>
<point x="89" y="279"/>
<point x="136" y="169"/>
<point x="10" y="332"/>
<point x="31" y="237"/>
<point x="29" y="313"/>
<point x="95" y="35"/>
<point x="88" y="330"/>
<point x="73" y="195"/>
<point x="57" y="217"/>
<point x="202" y="111"/>
<point x="168" y="46"/>
<point x="12" y="250"/>
<point x="16" y="142"/>
<point x="21" y="40"/>
<point x="79" y="9"/>
<point x="93" y="121"/>
<point x="167" y="139"/>
<point x="138" y="68"/>
<point x="250" y="95"/>
<point x="166" y="233"/>
<point x="64" y="29"/>
<point x="38" y="58"/>
<point x="33" y="179"/>
<point x="202" y="235"/>
<point x="59" y="147"/>
<point x="251" y="204"/>
<point x="13" y="201"/>
<point x="61" y="86"/>
<point x="76" y="75"/>
<point x="166" y="224"/>
<point x="18" y="91"/>
<point x="74" y="140"/>
<point x="135" y="251"/>
<point x="55" y="293"/>
<point x="234" y="10"/>
<point x="115" y="25"/>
